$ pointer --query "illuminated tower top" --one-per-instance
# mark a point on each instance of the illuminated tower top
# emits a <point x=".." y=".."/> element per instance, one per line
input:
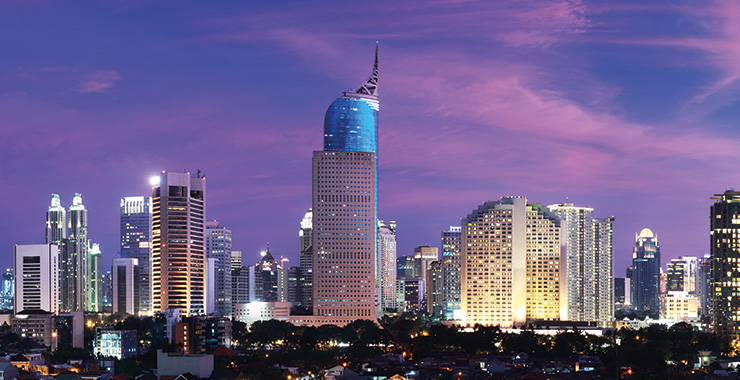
<point x="351" y="122"/>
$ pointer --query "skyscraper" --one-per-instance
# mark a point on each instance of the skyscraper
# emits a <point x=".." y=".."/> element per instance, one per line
<point x="126" y="286"/>
<point x="73" y="268"/>
<point x="8" y="290"/>
<point x="424" y="256"/>
<point x="646" y="273"/>
<point x="56" y="222"/>
<point x="511" y="264"/>
<point x="452" y="263"/>
<point x="305" y="261"/>
<point x="94" y="287"/>
<point x="218" y="246"/>
<point x="178" y="242"/>
<point x="386" y="270"/>
<point x="136" y="243"/>
<point x="725" y="256"/>
<point x="681" y="274"/>
<point x="589" y="263"/>
<point x="703" y="291"/>
<point x="37" y="277"/>
<point x="345" y="207"/>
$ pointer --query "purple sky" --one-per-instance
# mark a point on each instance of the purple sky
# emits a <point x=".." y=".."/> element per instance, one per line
<point x="630" y="108"/>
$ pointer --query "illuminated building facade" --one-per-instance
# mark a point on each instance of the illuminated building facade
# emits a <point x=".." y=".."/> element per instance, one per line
<point x="452" y="263"/>
<point x="304" y="281"/>
<point x="37" y="278"/>
<point x="8" y="290"/>
<point x="589" y="263"/>
<point x="73" y="266"/>
<point x="345" y="208"/>
<point x="512" y="266"/>
<point x="424" y="256"/>
<point x="178" y="242"/>
<point x="126" y="286"/>
<point x="218" y="246"/>
<point x="136" y="243"/>
<point x="94" y="287"/>
<point x="56" y="222"/>
<point x="386" y="270"/>
<point x="646" y="273"/>
<point x="725" y="264"/>
<point x="681" y="274"/>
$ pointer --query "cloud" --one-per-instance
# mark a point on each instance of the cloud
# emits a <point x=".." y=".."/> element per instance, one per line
<point x="98" y="81"/>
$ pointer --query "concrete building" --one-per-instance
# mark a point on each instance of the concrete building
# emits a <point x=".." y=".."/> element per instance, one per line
<point x="724" y="222"/>
<point x="37" y="278"/>
<point x="345" y="207"/>
<point x="679" y="306"/>
<point x="126" y="285"/>
<point x="263" y="311"/>
<point x="435" y="291"/>
<point x="169" y="364"/>
<point x="424" y="256"/>
<point x="119" y="344"/>
<point x="589" y="263"/>
<point x="243" y="285"/>
<point x="681" y="274"/>
<point x="451" y="259"/>
<point x="703" y="292"/>
<point x="218" y="246"/>
<point x="386" y="279"/>
<point x="178" y="242"/>
<point x="413" y="294"/>
<point x="36" y="324"/>
<point x="136" y="243"/>
<point x="512" y="265"/>
<point x="646" y="273"/>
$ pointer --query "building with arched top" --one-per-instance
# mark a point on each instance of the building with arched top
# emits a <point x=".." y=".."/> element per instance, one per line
<point x="646" y="273"/>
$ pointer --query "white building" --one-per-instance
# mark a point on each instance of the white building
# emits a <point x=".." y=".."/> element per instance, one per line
<point x="261" y="311"/>
<point x="679" y="306"/>
<point x="126" y="285"/>
<point x="218" y="247"/>
<point x="589" y="264"/>
<point x="386" y="279"/>
<point x="36" y="277"/>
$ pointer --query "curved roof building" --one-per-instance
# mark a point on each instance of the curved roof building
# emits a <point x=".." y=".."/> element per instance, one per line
<point x="351" y="122"/>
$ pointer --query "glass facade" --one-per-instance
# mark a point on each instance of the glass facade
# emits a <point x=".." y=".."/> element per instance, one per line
<point x="646" y="273"/>
<point x="351" y="124"/>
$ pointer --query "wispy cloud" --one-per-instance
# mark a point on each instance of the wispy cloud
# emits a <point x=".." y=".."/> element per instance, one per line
<point x="98" y="81"/>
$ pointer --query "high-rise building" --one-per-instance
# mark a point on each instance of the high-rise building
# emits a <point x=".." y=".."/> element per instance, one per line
<point x="178" y="242"/>
<point x="126" y="286"/>
<point x="725" y="256"/>
<point x="646" y="273"/>
<point x="56" y="222"/>
<point x="73" y="267"/>
<point x="243" y="285"/>
<point x="236" y="260"/>
<point x="681" y="274"/>
<point x="37" y="278"/>
<point x="267" y="278"/>
<point x="108" y="292"/>
<point x="424" y="256"/>
<point x="386" y="270"/>
<point x="8" y="291"/>
<point x="305" y="261"/>
<point x="435" y="290"/>
<point x="136" y="243"/>
<point x="619" y="293"/>
<point x="218" y="246"/>
<point x="345" y="207"/>
<point x="452" y="264"/>
<point x="94" y="287"/>
<point x="589" y="262"/>
<point x="405" y="267"/>
<point x="703" y="292"/>
<point x="512" y="265"/>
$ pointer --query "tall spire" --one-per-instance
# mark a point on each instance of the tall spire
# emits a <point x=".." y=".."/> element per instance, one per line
<point x="371" y="86"/>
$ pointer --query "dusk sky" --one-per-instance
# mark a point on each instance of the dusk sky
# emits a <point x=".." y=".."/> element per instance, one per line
<point x="630" y="108"/>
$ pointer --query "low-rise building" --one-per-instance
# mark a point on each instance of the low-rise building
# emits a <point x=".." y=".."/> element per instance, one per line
<point x="171" y="364"/>
<point x="38" y="325"/>
<point x="261" y="311"/>
<point x="118" y="344"/>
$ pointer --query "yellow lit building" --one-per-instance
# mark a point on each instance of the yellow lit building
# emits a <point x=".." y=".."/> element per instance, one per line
<point x="511" y="264"/>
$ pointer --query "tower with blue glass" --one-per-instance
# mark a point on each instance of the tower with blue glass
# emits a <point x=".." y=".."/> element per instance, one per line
<point x="646" y="273"/>
<point x="345" y="207"/>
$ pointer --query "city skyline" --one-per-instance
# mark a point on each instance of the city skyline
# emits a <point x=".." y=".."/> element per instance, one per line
<point x="626" y="108"/>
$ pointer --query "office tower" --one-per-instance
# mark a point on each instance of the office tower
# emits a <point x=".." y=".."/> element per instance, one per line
<point x="56" y="222"/>
<point x="37" y="278"/>
<point x="511" y="264"/>
<point x="266" y="278"/>
<point x="452" y="264"/>
<point x="678" y="305"/>
<point x="94" y="292"/>
<point x="589" y="262"/>
<point x="136" y="243"/>
<point x="386" y="270"/>
<point x="681" y="274"/>
<point x="413" y="294"/>
<point x="243" y="285"/>
<point x="725" y="256"/>
<point x="305" y="261"/>
<point x="646" y="272"/>
<point x="345" y="207"/>
<point x="8" y="291"/>
<point x="703" y="275"/>
<point x="424" y="255"/>
<point x="178" y="242"/>
<point x="294" y="275"/>
<point x="435" y="291"/>
<point x="73" y="266"/>
<point x="108" y="292"/>
<point x="126" y="285"/>
<point x="218" y="246"/>
<point x="619" y="292"/>
<point x="236" y="260"/>
<point x="405" y="267"/>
